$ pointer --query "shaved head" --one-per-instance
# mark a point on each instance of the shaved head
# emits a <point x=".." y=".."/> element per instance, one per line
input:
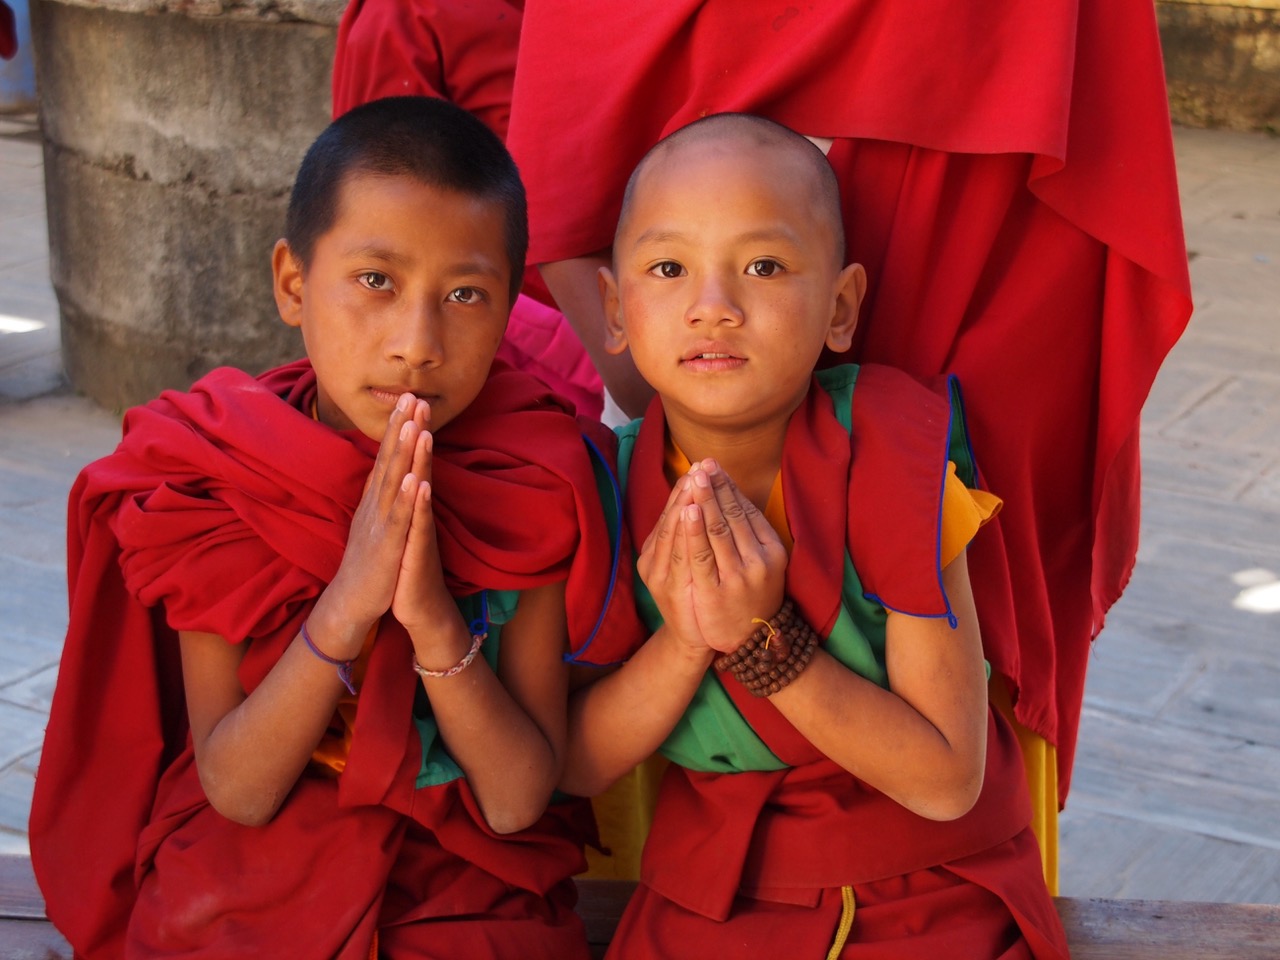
<point x="744" y="130"/>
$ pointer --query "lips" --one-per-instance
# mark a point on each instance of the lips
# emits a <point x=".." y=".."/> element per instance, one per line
<point x="392" y="394"/>
<point x="709" y="351"/>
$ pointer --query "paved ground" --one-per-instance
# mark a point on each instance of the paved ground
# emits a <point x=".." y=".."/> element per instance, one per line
<point x="1177" y="786"/>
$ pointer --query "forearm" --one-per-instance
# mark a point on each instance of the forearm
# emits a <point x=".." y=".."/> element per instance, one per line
<point x="576" y="290"/>
<point x="884" y="741"/>
<point x="621" y="719"/>
<point x="253" y="755"/>
<point x="510" y="763"/>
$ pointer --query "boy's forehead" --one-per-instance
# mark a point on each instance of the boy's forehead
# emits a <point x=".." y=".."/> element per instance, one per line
<point x="697" y="170"/>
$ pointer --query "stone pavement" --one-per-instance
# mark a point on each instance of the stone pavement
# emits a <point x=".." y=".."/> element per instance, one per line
<point x="1177" y="784"/>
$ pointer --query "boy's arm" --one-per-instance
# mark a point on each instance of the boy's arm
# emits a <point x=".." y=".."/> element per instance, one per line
<point x="251" y="749"/>
<point x="622" y="718"/>
<point x="506" y="730"/>
<point x="923" y="742"/>
<point x="576" y="289"/>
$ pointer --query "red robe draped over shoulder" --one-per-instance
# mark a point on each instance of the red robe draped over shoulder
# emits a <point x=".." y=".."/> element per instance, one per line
<point x="226" y="509"/>
<point x="1008" y="180"/>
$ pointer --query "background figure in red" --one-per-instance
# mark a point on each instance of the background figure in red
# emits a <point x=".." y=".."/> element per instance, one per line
<point x="8" y="32"/>
<point x="1009" y="184"/>
<point x="464" y="52"/>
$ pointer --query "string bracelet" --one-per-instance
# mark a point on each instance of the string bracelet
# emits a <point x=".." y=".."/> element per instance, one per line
<point x="344" y="666"/>
<point x="479" y="630"/>
<point x="477" y="639"/>
<point x="774" y="655"/>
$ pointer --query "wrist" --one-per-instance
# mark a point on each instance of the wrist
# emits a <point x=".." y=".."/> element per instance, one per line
<point x="335" y="632"/>
<point x="685" y="656"/>
<point x="774" y="655"/>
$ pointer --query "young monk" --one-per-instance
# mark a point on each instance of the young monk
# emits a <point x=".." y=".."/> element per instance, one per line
<point x="839" y="785"/>
<point x="1007" y="172"/>
<point x="312" y="700"/>
<point x="464" y="51"/>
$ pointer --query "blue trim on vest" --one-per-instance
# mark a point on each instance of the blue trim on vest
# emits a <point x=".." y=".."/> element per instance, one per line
<point x="616" y="537"/>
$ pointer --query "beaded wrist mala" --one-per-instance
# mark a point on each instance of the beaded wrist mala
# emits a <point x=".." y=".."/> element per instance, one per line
<point x="774" y="655"/>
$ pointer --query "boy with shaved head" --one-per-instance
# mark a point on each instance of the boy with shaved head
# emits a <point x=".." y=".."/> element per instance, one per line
<point x="839" y="785"/>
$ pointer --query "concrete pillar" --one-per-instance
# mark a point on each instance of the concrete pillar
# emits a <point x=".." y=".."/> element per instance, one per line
<point x="171" y="140"/>
<point x="1222" y="62"/>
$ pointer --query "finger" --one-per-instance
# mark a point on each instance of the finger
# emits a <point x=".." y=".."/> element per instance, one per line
<point x="715" y="527"/>
<point x="751" y="528"/>
<point x="702" y="560"/>
<point x="420" y="466"/>
<point x="664" y="530"/>
<point x="395" y="452"/>
<point x="422" y="518"/>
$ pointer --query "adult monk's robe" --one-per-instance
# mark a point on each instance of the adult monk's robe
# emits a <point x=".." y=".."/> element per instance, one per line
<point x="226" y="510"/>
<point x="1008" y="179"/>
<point x="755" y="831"/>
<point x="463" y="52"/>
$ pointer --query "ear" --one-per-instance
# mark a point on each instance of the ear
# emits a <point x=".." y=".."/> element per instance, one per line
<point x="850" y="288"/>
<point x="287" y="283"/>
<point x="615" y="335"/>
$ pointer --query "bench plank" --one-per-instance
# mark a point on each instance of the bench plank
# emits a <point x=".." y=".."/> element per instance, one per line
<point x="1096" y="929"/>
<point x="1170" y="930"/>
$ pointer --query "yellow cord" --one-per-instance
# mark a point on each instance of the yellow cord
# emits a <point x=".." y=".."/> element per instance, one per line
<point x="768" y="626"/>
<point x="847" y="907"/>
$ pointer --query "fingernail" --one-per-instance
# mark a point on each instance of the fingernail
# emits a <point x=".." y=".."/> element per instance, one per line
<point x="691" y="512"/>
<point x="701" y="479"/>
<point x="407" y="483"/>
<point x="406" y="429"/>
<point x="709" y="465"/>
<point x="403" y="403"/>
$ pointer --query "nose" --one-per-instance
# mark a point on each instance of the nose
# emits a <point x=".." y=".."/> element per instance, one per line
<point x="715" y="301"/>
<point x="416" y="338"/>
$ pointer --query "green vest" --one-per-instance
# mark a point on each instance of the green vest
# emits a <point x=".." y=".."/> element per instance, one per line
<point x="712" y="736"/>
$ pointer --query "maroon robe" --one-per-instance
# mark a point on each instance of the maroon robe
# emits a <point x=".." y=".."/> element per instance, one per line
<point x="1007" y="171"/>
<point x="748" y="864"/>
<point x="226" y="509"/>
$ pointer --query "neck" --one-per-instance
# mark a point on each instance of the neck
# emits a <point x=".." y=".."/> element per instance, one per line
<point x="751" y="456"/>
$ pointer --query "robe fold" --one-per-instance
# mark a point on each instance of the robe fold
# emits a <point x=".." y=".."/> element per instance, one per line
<point x="1008" y="180"/>
<point x="226" y="509"/>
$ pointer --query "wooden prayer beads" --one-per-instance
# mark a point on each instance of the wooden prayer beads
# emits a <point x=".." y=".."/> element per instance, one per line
<point x="774" y="655"/>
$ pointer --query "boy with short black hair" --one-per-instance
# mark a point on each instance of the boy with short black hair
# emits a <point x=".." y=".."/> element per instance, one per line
<point x="840" y="785"/>
<point x="319" y="618"/>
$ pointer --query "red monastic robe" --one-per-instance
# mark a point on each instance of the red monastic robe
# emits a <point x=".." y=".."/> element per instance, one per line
<point x="226" y="509"/>
<point x="1008" y="179"/>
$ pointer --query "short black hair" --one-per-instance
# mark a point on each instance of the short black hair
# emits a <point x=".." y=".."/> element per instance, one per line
<point x="766" y="132"/>
<point x="431" y="140"/>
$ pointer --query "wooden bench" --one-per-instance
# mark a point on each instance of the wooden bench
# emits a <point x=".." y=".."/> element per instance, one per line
<point x="1096" y="929"/>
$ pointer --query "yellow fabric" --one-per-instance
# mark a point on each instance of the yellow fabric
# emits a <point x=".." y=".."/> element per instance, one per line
<point x="1040" y="759"/>
<point x="624" y="814"/>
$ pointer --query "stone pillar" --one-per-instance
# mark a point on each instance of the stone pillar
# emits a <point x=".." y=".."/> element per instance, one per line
<point x="1222" y="62"/>
<point x="172" y="132"/>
